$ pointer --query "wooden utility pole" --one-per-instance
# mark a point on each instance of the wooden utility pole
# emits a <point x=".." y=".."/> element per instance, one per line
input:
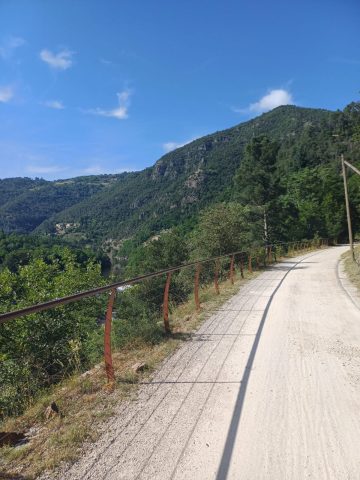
<point x="347" y="206"/>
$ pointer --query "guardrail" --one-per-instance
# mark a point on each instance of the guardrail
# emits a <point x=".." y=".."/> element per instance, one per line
<point x="251" y="259"/>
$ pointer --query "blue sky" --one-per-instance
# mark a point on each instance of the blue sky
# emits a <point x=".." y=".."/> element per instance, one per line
<point x="90" y="86"/>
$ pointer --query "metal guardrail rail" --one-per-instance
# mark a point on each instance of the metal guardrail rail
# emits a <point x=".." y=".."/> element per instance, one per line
<point x="249" y="257"/>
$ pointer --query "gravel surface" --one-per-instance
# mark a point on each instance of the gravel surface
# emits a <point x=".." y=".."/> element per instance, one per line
<point x="268" y="388"/>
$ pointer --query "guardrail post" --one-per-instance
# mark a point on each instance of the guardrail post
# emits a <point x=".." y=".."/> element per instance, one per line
<point x="107" y="340"/>
<point x="196" y="287"/>
<point x="250" y="263"/>
<point x="166" y="303"/>
<point x="241" y="266"/>
<point x="216" y="277"/>
<point x="232" y="269"/>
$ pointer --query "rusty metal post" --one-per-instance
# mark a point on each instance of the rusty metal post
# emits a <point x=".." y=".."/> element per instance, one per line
<point x="107" y="340"/>
<point x="241" y="267"/>
<point x="166" y="303"/>
<point x="250" y="263"/>
<point x="196" y="287"/>
<point x="216" y="277"/>
<point x="231" y="275"/>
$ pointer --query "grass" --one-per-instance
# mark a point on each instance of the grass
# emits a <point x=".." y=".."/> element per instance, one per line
<point x="85" y="404"/>
<point x="352" y="268"/>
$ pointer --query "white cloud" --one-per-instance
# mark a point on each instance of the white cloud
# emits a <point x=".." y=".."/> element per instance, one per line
<point x="44" y="169"/>
<point x="170" y="146"/>
<point x="59" y="61"/>
<point x="9" y="45"/>
<point x="271" y="100"/>
<point x="6" y="93"/>
<point x="56" y="104"/>
<point x="120" y="112"/>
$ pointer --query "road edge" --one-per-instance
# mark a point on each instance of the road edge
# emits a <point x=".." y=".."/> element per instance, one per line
<point x="346" y="284"/>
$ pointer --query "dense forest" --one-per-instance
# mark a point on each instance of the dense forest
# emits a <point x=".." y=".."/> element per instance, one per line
<point x="140" y="204"/>
<point x="26" y="203"/>
<point x="274" y="178"/>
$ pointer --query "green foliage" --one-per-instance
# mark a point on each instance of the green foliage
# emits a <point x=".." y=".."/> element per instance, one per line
<point x="313" y="204"/>
<point x="17" y="250"/>
<point x="136" y="314"/>
<point x="39" y="349"/>
<point x="255" y="180"/>
<point x="222" y="229"/>
<point x="141" y="305"/>
<point x="19" y="195"/>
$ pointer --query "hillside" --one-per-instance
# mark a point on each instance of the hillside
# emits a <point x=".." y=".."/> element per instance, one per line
<point x="184" y="181"/>
<point x="26" y="203"/>
<point x="180" y="183"/>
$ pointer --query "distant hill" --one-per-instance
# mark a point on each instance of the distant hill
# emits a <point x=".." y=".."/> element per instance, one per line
<point x="180" y="183"/>
<point x="26" y="203"/>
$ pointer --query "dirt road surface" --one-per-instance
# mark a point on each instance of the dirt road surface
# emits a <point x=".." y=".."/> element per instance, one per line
<point x="268" y="388"/>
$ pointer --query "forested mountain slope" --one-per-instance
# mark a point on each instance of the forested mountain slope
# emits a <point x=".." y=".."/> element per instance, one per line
<point x="26" y="203"/>
<point x="184" y="181"/>
<point x="181" y="183"/>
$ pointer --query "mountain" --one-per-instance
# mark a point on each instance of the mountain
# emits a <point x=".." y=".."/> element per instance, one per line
<point x="26" y="203"/>
<point x="179" y="185"/>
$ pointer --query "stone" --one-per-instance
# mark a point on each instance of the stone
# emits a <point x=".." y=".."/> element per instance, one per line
<point x="139" y="367"/>
<point x="51" y="411"/>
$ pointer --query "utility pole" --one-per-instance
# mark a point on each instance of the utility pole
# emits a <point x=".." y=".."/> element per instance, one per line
<point x="347" y="206"/>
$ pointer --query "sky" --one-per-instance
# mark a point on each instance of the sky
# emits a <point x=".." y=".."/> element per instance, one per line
<point x="106" y="86"/>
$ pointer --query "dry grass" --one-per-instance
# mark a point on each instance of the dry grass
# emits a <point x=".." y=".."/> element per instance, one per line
<point x="85" y="404"/>
<point x="352" y="268"/>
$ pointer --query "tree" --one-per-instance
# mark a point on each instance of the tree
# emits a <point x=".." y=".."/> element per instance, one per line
<point x="223" y="228"/>
<point x="256" y="182"/>
<point x="40" y="349"/>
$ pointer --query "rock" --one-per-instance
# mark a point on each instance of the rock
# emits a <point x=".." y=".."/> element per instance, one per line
<point x="139" y="367"/>
<point x="52" y="411"/>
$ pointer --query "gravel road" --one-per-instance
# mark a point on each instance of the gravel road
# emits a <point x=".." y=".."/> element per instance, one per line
<point x="268" y="388"/>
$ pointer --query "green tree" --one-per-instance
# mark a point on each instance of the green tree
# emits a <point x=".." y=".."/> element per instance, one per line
<point x="257" y="185"/>
<point x="40" y="349"/>
<point x="223" y="228"/>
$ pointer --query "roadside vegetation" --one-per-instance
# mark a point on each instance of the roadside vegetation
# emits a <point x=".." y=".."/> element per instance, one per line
<point x="83" y="402"/>
<point x="352" y="268"/>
